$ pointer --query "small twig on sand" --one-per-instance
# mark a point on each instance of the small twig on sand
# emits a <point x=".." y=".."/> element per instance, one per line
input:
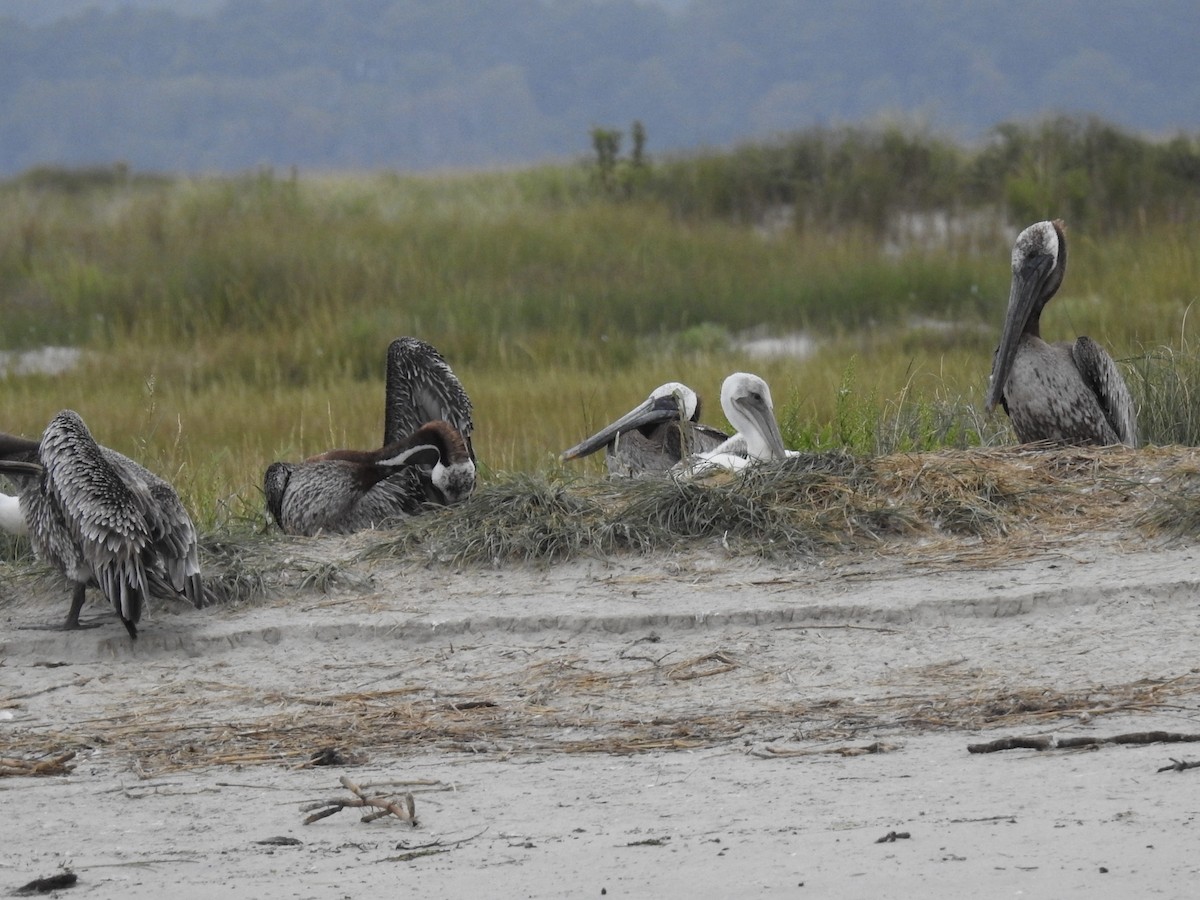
<point x="433" y="847"/>
<point x="1057" y="743"/>
<point x="892" y="836"/>
<point x="770" y="752"/>
<point x="382" y="805"/>
<point x="1178" y="765"/>
<point x="54" y="766"/>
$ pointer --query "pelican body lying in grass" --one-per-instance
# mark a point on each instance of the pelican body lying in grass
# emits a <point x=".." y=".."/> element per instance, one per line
<point x="653" y="436"/>
<point x="1067" y="393"/>
<point x="102" y="520"/>
<point x="747" y="404"/>
<point x="342" y="491"/>
<point x="426" y="458"/>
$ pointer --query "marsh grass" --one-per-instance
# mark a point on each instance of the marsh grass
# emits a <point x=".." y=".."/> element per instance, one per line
<point x="229" y="322"/>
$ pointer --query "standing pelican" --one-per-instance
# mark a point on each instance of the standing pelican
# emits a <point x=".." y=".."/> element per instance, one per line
<point x="747" y="404"/>
<point x="341" y="491"/>
<point x="653" y="436"/>
<point x="1063" y="392"/>
<point x="103" y="520"/>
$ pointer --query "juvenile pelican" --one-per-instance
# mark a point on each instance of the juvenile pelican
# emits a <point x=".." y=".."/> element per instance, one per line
<point x="653" y="436"/>
<point x="341" y="491"/>
<point x="747" y="404"/>
<point x="103" y="520"/>
<point x="422" y="388"/>
<point x="1063" y="392"/>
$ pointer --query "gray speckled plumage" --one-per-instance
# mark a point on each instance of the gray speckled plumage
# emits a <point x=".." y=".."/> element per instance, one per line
<point x="1065" y="393"/>
<point x="343" y="491"/>
<point x="104" y="520"/>
<point x="653" y="436"/>
<point x="422" y="388"/>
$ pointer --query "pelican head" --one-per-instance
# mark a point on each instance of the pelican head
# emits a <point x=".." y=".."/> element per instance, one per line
<point x="452" y="475"/>
<point x="670" y="402"/>
<point x="746" y="402"/>
<point x="1039" y="261"/>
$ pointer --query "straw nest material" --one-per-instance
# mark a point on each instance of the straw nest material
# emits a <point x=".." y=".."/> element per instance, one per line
<point x="822" y="503"/>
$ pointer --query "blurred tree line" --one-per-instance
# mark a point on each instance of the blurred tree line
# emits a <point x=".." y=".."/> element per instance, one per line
<point x="416" y="85"/>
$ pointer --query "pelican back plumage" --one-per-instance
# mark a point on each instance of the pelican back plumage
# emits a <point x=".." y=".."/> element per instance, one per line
<point x="102" y="519"/>
<point x="342" y="491"/>
<point x="421" y="388"/>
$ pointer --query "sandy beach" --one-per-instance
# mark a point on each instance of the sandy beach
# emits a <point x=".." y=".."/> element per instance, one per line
<point x="691" y="725"/>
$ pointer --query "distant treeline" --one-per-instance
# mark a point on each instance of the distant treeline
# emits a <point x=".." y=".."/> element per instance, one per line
<point x="1087" y="171"/>
<point x="413" y="85"/>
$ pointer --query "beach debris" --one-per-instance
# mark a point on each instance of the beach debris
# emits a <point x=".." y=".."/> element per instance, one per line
<point x="1056" y="743"/>
<point x="892" y="836"/>
<point x="64" y="879"/>
<point x="402" y="807"/>
<point x="281" y="841"/>
<point x="1178" y="765"/>
<point x="772" y="752"/>
<point x="56" y="765"/>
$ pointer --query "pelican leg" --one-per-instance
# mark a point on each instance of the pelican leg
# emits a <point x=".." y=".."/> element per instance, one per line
<point x="73" y="623"/>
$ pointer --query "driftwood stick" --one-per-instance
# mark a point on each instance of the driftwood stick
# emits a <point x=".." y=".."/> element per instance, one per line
<point x="56" y="765"/>
<point x="403" y="808"/>
<point x="1178" y="765"/>
<point x="1057" y="743"/>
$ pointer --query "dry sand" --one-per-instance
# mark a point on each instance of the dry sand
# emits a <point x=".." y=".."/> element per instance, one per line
<point x="684" y="726"/>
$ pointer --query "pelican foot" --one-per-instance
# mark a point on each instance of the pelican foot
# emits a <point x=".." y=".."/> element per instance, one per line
<point x="78" y="626"/>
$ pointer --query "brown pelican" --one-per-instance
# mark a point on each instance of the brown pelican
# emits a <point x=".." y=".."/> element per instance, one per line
<point x="421" y="388"/>
<point x="653" y="436"/>
<point x="747" y="404"/>
<point x="103" y="520"/>
<point x="341" y="491"/>
<point x="1063" y="392"/>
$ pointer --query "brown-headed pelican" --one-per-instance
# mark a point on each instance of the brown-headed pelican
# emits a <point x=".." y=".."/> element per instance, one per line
<point x="747" y="404"/>
<point x="1068" y="393"/>
<point x="341" y="491"/>
<point x="103" y="520"/>
<point x="653" y="436"/>
<point x="422" y="388"/>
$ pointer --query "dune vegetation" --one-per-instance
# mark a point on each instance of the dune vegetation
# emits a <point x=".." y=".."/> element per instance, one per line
<point x="225" y="322"/>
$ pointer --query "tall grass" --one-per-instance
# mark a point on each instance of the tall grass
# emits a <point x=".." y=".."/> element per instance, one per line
<point x="228" y="322"/>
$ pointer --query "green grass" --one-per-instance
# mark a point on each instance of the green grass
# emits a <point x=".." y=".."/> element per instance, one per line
<point x="232" y="322"/>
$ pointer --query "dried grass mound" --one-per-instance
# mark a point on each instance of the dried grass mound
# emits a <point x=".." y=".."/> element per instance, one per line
<point x="823" y="502"/>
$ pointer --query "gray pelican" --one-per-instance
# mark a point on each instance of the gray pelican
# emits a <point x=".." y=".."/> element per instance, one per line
<point x="422" y="388"/>
<point x="102" y="520"/>
<point x="1063" y="392"/>
<point x="747" y="404"/>
<point x="653" y="436"/>
<point x="341" y="491"/>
